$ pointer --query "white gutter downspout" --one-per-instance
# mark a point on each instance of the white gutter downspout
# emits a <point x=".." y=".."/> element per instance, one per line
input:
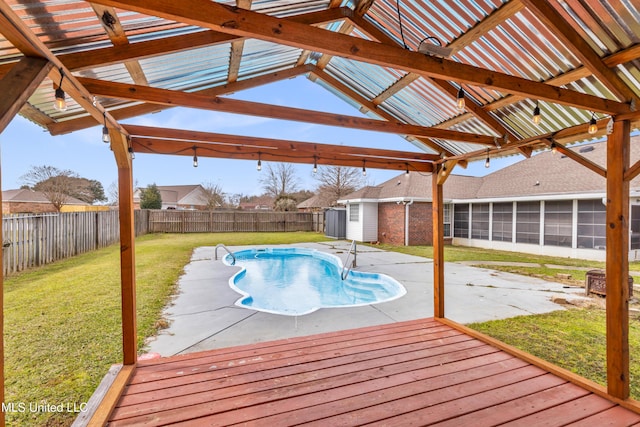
<point x="406" y="222"/>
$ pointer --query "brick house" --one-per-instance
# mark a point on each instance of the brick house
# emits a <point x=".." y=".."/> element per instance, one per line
<point x="28" y="201"/>
<point x="397" y="211"/>
<point x="547" y="204"/>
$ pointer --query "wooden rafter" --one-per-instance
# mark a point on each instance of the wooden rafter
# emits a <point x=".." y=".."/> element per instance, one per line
<point x="368" y="105"/>
<point x="494" y="19"/>
<point x="17" y="86"/>
<point x="237" y="47"/>
<point x="204" y="144"/>
<point x="193" y="100"/>
<point x="110" y="22"/>
<point x="476" y="110"/>
<point x="222" y="18"/>
<point x="626" y="55"/>
<point x="85" y="60"/>
<point x="548" y="15"/>
<point x="137" y="110"/>
<point x="18" y="34"/>
<point x="396" y="87"/>
<point x="578" y="158"/>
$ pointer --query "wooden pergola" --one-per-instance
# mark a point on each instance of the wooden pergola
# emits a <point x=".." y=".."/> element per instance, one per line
<point x="332" y="43"/>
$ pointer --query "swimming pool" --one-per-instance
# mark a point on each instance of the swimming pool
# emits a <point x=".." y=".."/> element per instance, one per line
<point x="297" y="281"/>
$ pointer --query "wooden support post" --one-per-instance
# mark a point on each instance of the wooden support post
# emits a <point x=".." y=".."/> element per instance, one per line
<point x="119" y="146"/>
<point x="438" y="243"/>
<point x="617" y="270"/>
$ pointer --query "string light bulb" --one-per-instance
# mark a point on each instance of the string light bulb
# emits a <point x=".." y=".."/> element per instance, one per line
<point x="259" y="166"/>
<point x="460" y="102"/>
<point x="60" y="102"/>
<point x="364" y="168"/>
<point x="315" y="164"/>
<point x="406" y="172"/>
<point x="593" y="125"/>
<point x="536" y="114"/>
<point x="554" y="148"/>
<point x="132" y="153"/>
<point x="106" y="138"/>
<point x="195" y="157"/>
<point x="487" y="163"/>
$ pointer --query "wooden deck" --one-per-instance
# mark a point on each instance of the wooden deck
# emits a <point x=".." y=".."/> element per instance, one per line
<point x="410" y="373"/>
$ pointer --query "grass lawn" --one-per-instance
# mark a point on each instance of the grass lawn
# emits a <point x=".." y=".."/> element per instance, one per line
<point x="462" y="253"/>
<point x="572" y="339"/>
<point x="62" y="321"/>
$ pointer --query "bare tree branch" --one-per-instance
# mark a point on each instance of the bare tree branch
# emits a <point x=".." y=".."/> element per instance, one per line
<point x="334" y="182"/>
<point x="279" y="180"/>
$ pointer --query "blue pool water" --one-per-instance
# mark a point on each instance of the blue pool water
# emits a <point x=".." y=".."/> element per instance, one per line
<point x="296" y="281"/>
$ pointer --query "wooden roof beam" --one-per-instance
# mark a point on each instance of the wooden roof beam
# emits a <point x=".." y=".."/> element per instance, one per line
<point x="111" y="24"/>
<point x="194" y="100"/>
<point x="629" y="54"/>
<point x="18" y="85"/>
<point x="245" y="23"/>
<point x="84" y="60"/>
<point x="235" y="141"/>
<point x="368" y="105"/>
<point x="185" y="148"/>
<point x="18" y="34"/>
<point x="138" y="110"/>
<point x="548" y="15"/>
<point x="182" y="142"/>
<point x="476" y="110"/>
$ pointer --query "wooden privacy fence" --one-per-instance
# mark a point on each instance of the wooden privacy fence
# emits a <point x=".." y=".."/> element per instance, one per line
<point x="170" y="221"/>
<point x="34" y="240"/>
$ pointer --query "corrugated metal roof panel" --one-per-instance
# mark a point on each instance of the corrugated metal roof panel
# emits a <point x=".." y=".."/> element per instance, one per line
<point x="260" y="57"/>
<point x="366" y="79"/>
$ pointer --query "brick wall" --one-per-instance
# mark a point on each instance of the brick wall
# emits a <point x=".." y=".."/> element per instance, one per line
<point x="420" y="224"/>
<point x="391" y="223"/>
<point x="20" y="207"/>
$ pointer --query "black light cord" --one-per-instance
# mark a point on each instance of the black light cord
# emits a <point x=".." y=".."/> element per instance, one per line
<point x="400" y="24"/>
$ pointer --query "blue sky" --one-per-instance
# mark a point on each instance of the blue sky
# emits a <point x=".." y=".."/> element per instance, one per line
<point x="25" y="144"/>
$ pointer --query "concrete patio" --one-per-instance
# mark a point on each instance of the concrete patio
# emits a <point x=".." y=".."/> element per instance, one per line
<point x="203" y="316"/>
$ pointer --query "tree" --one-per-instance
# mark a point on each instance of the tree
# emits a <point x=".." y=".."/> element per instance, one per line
<point x="213" y="195"/>
<point x="114" y="192"/>
<point x="150" y="197"/>
<point x="285" y="203"/>
<point x="279" y="180"/>
<point x="334" y="182"/>
<point x="57" y="185"/>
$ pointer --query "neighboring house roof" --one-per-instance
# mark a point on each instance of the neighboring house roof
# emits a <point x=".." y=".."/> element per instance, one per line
<point x="317" y="201"/>
<point x="179" y="194"/>
<point x="25" y="195"/>
<point x="260" y="202"/>
<point x="544" y="174"/>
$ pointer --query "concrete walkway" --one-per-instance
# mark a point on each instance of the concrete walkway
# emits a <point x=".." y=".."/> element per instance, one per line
<point x="203" y="315"/>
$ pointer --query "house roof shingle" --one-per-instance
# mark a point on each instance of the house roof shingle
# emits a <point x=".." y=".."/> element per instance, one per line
<point x="25" y="195"/>
<point x="544" y="174"/>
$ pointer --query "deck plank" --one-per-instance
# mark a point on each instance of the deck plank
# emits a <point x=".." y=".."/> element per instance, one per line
<point x="253" y="381"/>
<point x="560" y="415"/>
<point x="406" y="373"/>
<point x="613" y="417"/>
